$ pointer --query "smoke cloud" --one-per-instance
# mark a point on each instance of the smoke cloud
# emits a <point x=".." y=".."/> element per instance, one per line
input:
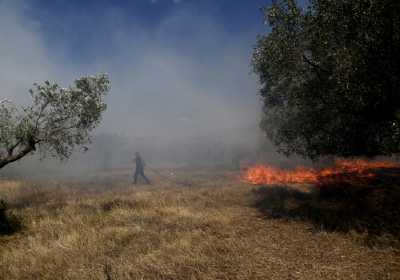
<point x="184" y="83"/>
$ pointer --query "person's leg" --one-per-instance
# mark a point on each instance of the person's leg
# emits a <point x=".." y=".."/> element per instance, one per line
<point x="135" y="177"/>
<point x="144" y="177"/>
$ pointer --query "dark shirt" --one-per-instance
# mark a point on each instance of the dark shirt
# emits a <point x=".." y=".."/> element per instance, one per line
<point x="139" y="163"/>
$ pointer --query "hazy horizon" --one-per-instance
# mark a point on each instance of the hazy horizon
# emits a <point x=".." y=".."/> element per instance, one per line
<point x="179" y="70"/>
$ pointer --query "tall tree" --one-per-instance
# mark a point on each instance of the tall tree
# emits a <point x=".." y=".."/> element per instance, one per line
<point x="58" y="119"/>
<point x="330" y="77"/>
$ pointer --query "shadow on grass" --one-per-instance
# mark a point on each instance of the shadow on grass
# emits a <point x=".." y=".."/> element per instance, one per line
<point x="9" y="223"/>
<point x="364" y="206"/>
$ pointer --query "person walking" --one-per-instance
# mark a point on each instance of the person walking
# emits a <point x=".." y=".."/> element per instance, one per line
<point x="139" y="169"/>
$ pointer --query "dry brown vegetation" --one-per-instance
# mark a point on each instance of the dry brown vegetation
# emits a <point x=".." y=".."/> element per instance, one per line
<point x="206" y="226"/>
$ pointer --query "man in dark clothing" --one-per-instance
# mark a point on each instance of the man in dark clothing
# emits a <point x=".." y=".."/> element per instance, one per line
<point x="139" y="171"/>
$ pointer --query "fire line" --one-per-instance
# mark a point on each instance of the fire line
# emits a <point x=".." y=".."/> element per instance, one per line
<point x="266" y="174"/>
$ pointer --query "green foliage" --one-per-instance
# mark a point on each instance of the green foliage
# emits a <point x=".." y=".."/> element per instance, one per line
<point x="58" y="120"/>
<point x="330" y="77"/>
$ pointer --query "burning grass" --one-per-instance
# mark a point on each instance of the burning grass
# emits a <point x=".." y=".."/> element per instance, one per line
<point x="352" y="171"/>
<point x="214" y="227"/>
<point x="353" y="195"/>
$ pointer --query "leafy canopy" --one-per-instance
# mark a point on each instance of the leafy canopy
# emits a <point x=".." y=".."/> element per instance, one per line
<point x="330" y="77"/>
<point x="58" y="119"/>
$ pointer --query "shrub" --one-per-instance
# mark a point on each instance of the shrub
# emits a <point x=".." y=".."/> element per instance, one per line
<point x="9" y="223"/>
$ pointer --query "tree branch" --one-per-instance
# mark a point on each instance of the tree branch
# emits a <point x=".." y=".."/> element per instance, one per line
<point x="314" y="65"/>
<point x="11" y="149"/>
<point x="9" y="159"/>
<point x="40" y="115"/>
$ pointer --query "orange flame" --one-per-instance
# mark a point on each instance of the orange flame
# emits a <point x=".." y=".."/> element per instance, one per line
<point x="362" y="169"/>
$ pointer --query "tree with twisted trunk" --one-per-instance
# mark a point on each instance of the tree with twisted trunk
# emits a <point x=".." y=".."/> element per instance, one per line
<point x="58" y="119"/>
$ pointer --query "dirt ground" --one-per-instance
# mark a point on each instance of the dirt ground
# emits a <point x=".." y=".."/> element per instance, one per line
<point x="186" y="225"/>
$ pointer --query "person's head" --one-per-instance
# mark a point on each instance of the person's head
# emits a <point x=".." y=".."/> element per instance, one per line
<point x="137" y="154"/>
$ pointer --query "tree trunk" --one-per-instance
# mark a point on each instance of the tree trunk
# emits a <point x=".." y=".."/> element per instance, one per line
<point x="9" y="159"/>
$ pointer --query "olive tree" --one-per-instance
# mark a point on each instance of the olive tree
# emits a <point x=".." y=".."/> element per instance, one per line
<point x="330" y="77"/>
<point x="57" y="120"/>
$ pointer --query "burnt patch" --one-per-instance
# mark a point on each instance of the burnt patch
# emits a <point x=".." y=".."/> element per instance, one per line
<point x="368" y="206"/>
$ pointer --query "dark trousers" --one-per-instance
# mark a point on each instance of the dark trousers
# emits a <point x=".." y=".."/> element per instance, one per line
<point x="138" y="173"/>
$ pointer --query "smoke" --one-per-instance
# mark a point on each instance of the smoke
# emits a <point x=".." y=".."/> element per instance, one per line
<point x="23" y="57"/>
<point x="181" y="88"/>
<point x="184" y="78"/>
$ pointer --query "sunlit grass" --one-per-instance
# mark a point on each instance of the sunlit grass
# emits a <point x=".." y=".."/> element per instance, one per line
<point x="210" y="230"/>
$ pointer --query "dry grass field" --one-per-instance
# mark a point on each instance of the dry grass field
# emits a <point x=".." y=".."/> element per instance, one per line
<point x="198" y="225"/>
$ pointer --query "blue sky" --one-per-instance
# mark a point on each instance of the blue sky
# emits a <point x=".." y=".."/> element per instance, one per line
<point x="178" y="68"/>
<point x="68" y="25"/>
